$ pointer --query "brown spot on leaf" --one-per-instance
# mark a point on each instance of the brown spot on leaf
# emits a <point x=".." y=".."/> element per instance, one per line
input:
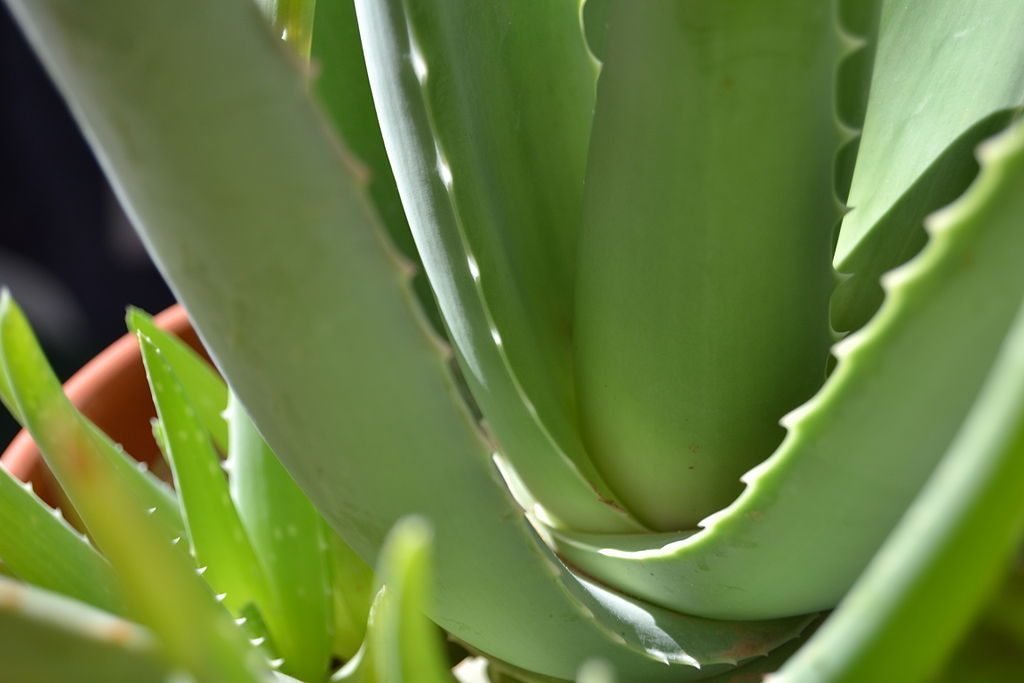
<point x="11" y="598"/>
<point x="745" y="647"/>
<point x="119" y="633"/>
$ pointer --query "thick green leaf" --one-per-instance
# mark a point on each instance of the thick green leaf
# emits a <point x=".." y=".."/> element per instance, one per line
<point x="288" y="536"/>
<point x="485" y="111"/>
<point x="709" y="646"/>
<point x="875" y="432"/>
<point x="46" y="638"/>
<point x="191" y="628"/>
<point x="401" y="645"/>
<point x="704" y="276"/>
<point x="206" y="391"/>
<point x="218" y="540"/>
<point x="265" y="235"/>
<point x="941" y="67"/>
<point x="342" y="86"/>
<point x="967" y="72"/>
<point x="39" y="547"/>
<point x="946" y="555"/>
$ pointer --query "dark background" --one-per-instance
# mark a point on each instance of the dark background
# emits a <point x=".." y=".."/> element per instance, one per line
<point x="67" y="252"/>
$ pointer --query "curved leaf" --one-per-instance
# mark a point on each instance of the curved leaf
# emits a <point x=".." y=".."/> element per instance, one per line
<point x="901" y="390"/>
<point x="900" y="234"/>
<point x="218" y="540"/>
<point x="343" y="88"/>
<point x="264" y="234"/>
<point x="704" y="276"/>
<point x="946" y="555"/>
<point x="491" y="185"/>
<point x="941" y="67"/>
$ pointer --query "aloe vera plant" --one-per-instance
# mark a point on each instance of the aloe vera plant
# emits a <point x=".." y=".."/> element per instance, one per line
<point x="648" y="308"/>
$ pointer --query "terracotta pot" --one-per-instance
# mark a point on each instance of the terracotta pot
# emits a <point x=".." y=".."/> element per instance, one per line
<point x="111" y="390"/>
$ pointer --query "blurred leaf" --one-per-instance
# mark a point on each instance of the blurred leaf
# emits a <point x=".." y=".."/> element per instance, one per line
<point x="46" y="638"/>
<point x="192" y="629"/>
<point x="39" y="547"/>
<point x="153" y="493"/>
<point x="292" y="21"/>
<point x="402" y="645"/>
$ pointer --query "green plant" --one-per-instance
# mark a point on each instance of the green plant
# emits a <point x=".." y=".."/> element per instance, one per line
<point x="638" y="276"/>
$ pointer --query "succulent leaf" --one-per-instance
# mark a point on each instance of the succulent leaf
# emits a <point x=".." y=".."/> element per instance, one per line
<point x="575" y="332"/>
<point x="893" y="404"/>
<point x="900" y="234"/>
<point x="402" y="414"/>
<point x="955" y="541"/>
<point x="219" y="542"/>
<point x="491" y="185"/>
<point x="940" y="69"/>
<point x="704" y="276"/>
<point x="343" y="88"/>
